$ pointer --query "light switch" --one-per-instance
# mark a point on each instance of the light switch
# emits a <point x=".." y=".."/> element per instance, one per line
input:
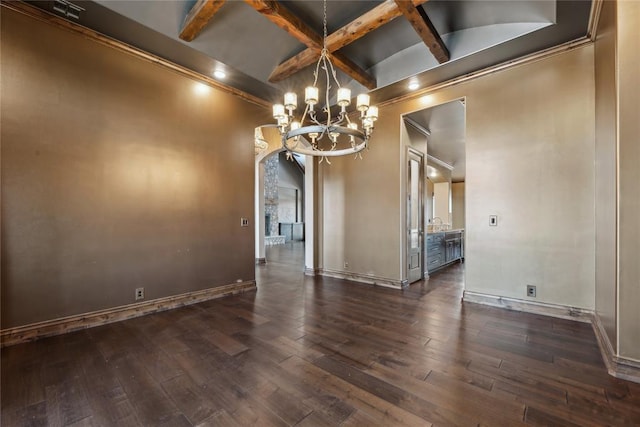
<point x="493" y="220"/>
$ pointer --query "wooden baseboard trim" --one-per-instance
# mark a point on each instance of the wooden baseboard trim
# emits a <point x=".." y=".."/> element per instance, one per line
<point x="34" y="331"/>
<point x="619" y="367"/>
<point x="545" y="309"/>
<point x="311" y="271"/>
<point x="363" y="278"/>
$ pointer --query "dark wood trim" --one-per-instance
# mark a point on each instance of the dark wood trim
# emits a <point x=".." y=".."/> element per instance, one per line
<point x="34" y="331"/>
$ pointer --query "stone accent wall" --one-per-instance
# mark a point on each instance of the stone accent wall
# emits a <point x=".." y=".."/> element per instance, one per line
<point x="271" y="171"/>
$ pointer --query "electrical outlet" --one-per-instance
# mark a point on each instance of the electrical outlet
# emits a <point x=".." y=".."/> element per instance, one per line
<point x="244" y="222"/>
<point x="139" y="294"/>
<point x="531" y="291"/>
<point x="346" y="264"/>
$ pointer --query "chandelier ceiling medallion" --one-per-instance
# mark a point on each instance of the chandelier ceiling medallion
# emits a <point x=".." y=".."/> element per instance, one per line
<point x="329" y="135"/>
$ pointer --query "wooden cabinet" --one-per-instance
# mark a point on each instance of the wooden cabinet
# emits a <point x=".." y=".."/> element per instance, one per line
<point x="444" y="248"/>
<point x="436" y="251"/>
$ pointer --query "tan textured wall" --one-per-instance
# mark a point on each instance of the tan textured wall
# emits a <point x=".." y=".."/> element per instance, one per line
<point x="457" y="204"/>
<point x="606" y="169"/>
<point x="115" y="175"/>
<point x="360" y="218"/>
<point x="628" y="18"/>
<point x="530" y="155"/>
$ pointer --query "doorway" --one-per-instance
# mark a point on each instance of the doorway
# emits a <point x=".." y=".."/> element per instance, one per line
<point x="437" y="134"/>
<point x="284" y="204"/>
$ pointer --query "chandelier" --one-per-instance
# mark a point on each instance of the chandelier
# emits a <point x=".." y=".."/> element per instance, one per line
<point x="327" y="134"/>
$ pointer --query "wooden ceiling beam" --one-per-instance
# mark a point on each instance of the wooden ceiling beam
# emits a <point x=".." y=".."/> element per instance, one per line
<point x="356" y="29"/>
<point x="286" y="20"/>
<point x="425" y="29"/>
<point x="353" y="70"/>
<point x="198" y="17"/>
<point x="297" y="28"/>
<point x="369" y="21"/>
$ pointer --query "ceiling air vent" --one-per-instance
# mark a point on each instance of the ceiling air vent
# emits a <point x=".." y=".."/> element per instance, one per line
<point x="67" y="9"/>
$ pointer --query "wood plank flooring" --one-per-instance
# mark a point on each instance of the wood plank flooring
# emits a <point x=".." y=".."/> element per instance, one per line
<point x="320" y="352"/>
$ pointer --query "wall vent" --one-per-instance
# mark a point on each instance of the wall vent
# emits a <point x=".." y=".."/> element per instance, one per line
<point x="67" y="9"/>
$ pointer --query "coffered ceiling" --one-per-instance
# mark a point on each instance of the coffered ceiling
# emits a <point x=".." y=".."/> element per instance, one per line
<point x="379" y="46"/>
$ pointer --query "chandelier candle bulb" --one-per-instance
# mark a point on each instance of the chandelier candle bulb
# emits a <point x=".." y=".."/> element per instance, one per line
<point x="344" y="97"/>
<point x="362" y="103"/>
<point x="372" y="113"/>
<point x="290" y="101"/>
<point x="283" y="121"/>
<point x="278" y="111"/>
<point x="295" y="126"/>
<point x="353" y="126"/>
<point x="311" y="95"/>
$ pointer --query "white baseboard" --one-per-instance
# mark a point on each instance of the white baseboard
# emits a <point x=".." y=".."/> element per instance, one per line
<point x="363" y="278"/>
<point x="34" y="331"/>
<point x="619" y="367"/>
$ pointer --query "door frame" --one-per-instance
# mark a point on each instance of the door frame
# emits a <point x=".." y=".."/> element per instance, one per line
<point x="413" y="154"/>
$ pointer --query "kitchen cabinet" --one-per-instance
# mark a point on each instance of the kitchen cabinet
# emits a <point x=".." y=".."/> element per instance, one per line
<point x="444" y="248"/>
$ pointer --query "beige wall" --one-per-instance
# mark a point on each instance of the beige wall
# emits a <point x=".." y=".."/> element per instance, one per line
<point x="115" y="175"/>
<point x="628" y="54"/>
<point x="530" y="155"/>
<point x="605" y="169"/>
<point x="360" y="219"/>
<point x="457" y="204"/>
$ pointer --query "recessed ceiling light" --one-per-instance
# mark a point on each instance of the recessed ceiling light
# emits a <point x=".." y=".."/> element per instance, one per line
<point x="413" y="85"/>
<point x="219" y="74"/>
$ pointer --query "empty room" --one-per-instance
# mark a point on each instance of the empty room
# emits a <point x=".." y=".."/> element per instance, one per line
<point x="320" y="213"/>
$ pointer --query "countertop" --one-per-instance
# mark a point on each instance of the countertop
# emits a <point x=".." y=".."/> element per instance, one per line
<point x="453" y="230"/>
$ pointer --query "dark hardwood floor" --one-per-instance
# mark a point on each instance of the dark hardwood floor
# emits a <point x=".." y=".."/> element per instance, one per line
<point x="320" y="352"/>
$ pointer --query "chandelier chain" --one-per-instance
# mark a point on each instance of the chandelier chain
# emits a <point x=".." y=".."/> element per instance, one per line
<point x="338" y="129"/>
<point x="324" y="25"/>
